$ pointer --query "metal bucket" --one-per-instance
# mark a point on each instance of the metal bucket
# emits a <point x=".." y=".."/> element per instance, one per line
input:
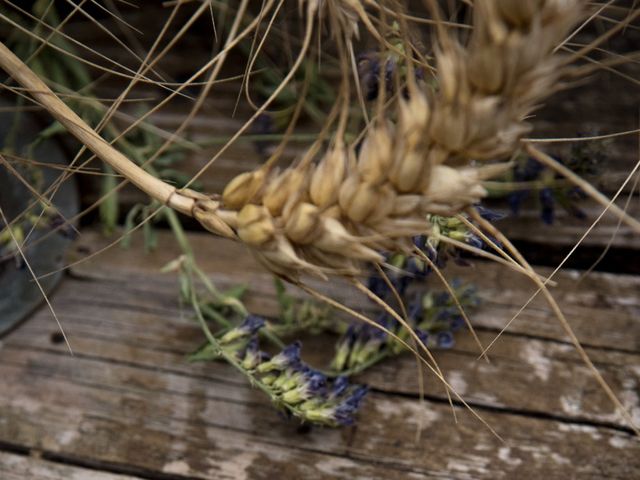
<point x="19" y="294"/>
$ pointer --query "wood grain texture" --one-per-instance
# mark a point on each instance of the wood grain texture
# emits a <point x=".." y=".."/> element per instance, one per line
<point x="603" y="308"/>
<point x="19" y="467"/>
<point x="128" y="402"/>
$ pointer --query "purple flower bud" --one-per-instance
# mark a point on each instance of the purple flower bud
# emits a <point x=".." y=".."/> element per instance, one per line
<point x="457" y="322"/>
<point x="356" y="396"/>
<point x="369" y="73"/>
<point x="547" y="201"/>
<point x="247" y="328"/>
<point x="423" y="336"/>
<point x="340" y="385"/>
<point x="415" y="311"/>
<point x="444" y="340"/>
<point x="474" y="241"/>
<point x="515" y="200"/>
<point x="252" y="355"/>
<point x="489" y="215"/>
<point x="290" y="356"/>
<point x="530" y="171"/>
<point x="65" y="229"/>
<point x="287" y="358"/>
<point x="316" y="381"/>
<point x="343" y="412"/>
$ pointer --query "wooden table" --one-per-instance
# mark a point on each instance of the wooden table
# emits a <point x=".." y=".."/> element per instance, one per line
<point x="128" y="405"/>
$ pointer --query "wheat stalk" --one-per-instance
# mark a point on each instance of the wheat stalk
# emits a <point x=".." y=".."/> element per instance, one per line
<point x="330" y="217"/>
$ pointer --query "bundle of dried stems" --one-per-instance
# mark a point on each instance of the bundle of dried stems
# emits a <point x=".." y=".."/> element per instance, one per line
<point x="427" y="155"/>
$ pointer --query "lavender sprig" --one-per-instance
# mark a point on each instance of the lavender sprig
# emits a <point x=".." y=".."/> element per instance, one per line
<point x="530" y="177"/>
<point x="298" y="316"/>
<point x="291" y="384"/>
<point x="434" y="317"/>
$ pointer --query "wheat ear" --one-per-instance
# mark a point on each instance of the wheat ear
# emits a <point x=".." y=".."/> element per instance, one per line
<point x="330" y="217"/>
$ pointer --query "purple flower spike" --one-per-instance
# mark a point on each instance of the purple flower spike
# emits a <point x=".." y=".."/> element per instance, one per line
<point x="246" y="329"/>
<point x="423" y="336"/>
<point x="489" y="215"/>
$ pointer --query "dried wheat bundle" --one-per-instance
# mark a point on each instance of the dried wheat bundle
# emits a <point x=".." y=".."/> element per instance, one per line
<point x="329" y="217"/>
<point x="429" y="157"/>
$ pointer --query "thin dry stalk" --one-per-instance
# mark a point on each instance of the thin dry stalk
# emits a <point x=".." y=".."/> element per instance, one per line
<point x="562" y="319"/>
<point x="365" y="319"/>
<point x="548" y="280"/>
<point x="454" y="297"/>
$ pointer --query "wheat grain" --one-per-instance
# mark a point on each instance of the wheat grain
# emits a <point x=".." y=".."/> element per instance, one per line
<point x="330" y="217"/>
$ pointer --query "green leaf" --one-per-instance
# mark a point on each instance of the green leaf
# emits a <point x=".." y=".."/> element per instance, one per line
<point x="236" y="292"/>
<point x="173" y="266"/>
<point x="150" y="237"/>
<point x="129" y="225"/>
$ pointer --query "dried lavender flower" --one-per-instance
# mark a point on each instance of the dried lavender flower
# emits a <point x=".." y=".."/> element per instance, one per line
<point x="247" y="328"/>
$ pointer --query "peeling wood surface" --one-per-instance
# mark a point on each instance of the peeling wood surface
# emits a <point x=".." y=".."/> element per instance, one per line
<point x="128" y="405"/>
<point x="588" y="304"/>
<point x="19" y="467"/>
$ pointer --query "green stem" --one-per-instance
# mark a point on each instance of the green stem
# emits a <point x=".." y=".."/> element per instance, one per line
<point x="216" y="316"/>
<point x="230" y="358"/>
<point x="178" y="231"/>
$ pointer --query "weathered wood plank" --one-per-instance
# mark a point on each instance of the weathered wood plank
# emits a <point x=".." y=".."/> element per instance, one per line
<point x="128" y="400"/>
<point x="562" y="381"/>
<point x="604" y="309"/>
<point x="161" y="421"/>
<point x="150" y="323"/>
<point x="568" y="230"/>
<point x="131" y="340"/>
<point x="19" y="467"/>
